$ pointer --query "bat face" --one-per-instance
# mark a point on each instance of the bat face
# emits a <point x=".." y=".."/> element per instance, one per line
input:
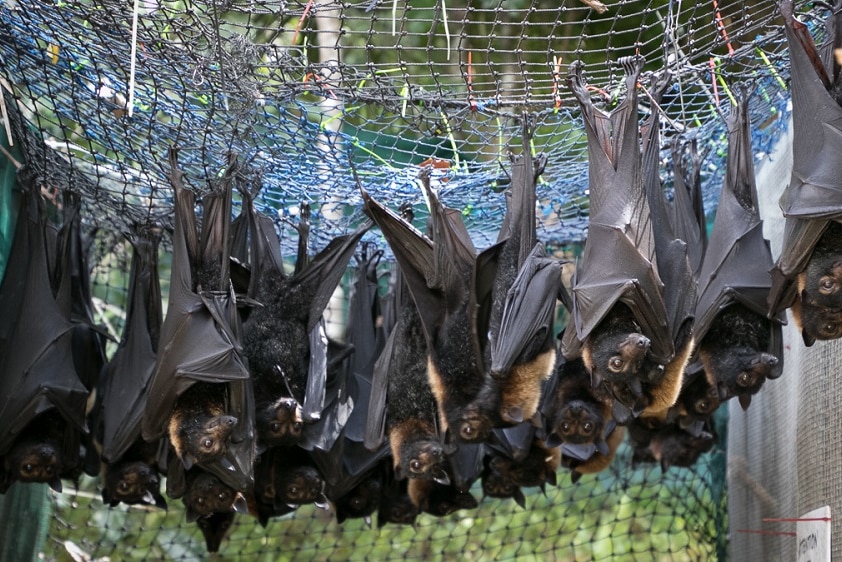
<point x="675" y="447"/>
<point x="132" y="483"/>
<point x="362" y="501"/>
<point x="422" y="459"/>
<point x="438" y="499"/>
<point x="280" y="423"/>
<point x="579" y="421"/>
<point x="203" y="439"/>
<point x="497" y="480"/>
<point x="474" y="424"/>
<point x="395" y="505"/>
<point x="214" y="527"/>
<point x="615" y="350"/>
<point x="36" y="462"/>
<point x="206" y="494"/>
<point x="700" y="398"/>
<point x="299" y="485"/>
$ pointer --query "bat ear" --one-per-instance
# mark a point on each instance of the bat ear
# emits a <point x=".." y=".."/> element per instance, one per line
<point x="55" y="484"/>
<point x="322" y="502"/>
<point x="440" y="476"/>
<point x="745" y="401"/>
<point x="367" y="520"/>
<point x="240" y="504"/>
<point x="191" y="514"/>
<point x="575" y="476"/>
<point x="187" y="461"/>
<point x="399" y="475"/>
<point x="553" y="440"/>
<point x="665" y="465"/>
<point x="519" y="498"/>
<point x="601" y="447"/>
<point x="808" y="339"/>
<point x="552" y="478"/>
<point x="160" y="502"/>
<point x="512" y="414"/>
<point x="340" y="516"/>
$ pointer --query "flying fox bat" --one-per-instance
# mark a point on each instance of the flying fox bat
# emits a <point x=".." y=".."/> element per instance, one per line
<point x="131" y="463"/>
<point x="619" y="313"/>
<point x="523" y="301"/>
<point x="206" y="494"/>
<point x="672" y="256"/>
<point x="668" y="445"/>
<point x="441" y="276"/>
<point x="597" y="462"/>
<point x="285" y="340"/>
<point x="439" y="499"/>
<point x="395" y="504"/>
<point x="402" y="402"/>
<point x="199" y="391"/>
<point x="42" y="399"/>
<point x="808" y="273"/>
<point x="505" y="477"/>
<point x="577" y="413"/>
<point x="738" y="345"/>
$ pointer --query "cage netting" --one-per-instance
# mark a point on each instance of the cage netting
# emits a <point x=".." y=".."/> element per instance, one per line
<point x="308" y="94"/>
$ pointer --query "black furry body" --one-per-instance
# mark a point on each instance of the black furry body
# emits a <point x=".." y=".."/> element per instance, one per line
<point x="363" y="499"/>
<point x="579" y="411"/>
<point x="41" y="454"/>
<point x="438" y="499"/>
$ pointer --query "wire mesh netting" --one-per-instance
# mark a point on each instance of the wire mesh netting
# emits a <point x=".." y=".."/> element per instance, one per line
<point x="307" y="94"/>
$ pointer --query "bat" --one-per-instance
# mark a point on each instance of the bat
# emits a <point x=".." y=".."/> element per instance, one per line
<point x="408" y="406"/>
<point x="619" y="313"/>
<point x="284" y="339"/>
<point x="698" y="400"/>
<point x="672" y="254"/>
<point x="206" y="494"/>
<point x="594" y="463"/>
<point x="738" y="345"/>
<point x="199" y="394"/>
<point x="668" y="445"/>
<point x="524" y="294"/>
<point x="441" y="276"/>
<point x="363" y="499"/>
<point x="578" y="414"/>
<point x="439" y="499"/>
<point x="43" y="404"/>
<point x="395" y="504"/>
<point x="214" y="527"/>
<point x="808" y="273"/>
<point x="134" y="477"/>
<point x="505" y="477"/>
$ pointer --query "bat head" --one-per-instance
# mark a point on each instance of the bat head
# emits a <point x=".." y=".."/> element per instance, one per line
<point x="280" y="423"/>
<point x="396" y="505"/>
<point x="36" y="462"/>
<point x="423" y="459"/>
<point x="577" y="421"/>
<point x="614" y="354"/>
<point x="298" y="485"/>
<point x="816" y="322"/>
<point x="473" y="423"/>
<point x="820" y="283"/>
<point x="133" y="482"/>
<point x="739" y="372"/>
<point x="206" y="494"/>
<point x="214" y="527"/>
<point x="203" y="439"/>
<point x="497" y="481"/>
<point x="699" y="399"/>
<point x="438" y="499"/>
<point x="675" y="447"/>
<point x="361" y="501"/>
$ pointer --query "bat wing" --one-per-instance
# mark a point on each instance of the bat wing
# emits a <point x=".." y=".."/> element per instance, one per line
<point x="815" y="190"/>
<point x="515" y="442"/>
<point x="36" y="357"/>
<point x="375" y="426"/>
<point x="126" y="376"/>
<point x="529" y="310"/>
<point x="254" y="244"/>
<point x="466" y="464"/>
<point x="738" y="258"/>
<point x="688" y="217"/>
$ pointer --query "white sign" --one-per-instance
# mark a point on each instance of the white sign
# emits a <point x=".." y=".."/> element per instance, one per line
<point x="813" y="536"/>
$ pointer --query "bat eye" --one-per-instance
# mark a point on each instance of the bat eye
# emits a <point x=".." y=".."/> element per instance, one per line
<point x="744" y="379"/>
<point x="587" y="427"/>
<point x="829" y="330"/>
<point x="702" y="406"/>
<point x="827" y="285"/>
<point x="292" y="490"/>
<point x="207" y="443"/>
<point x="222" y="496"/>
<point x="565" y="427"/>
<point x="415" y="465"/>
<point x="616" y="364"/>
<point x="200" y="501"/>
<point x="28" y="468"/>
<point x="275" y="427"/>
<point x="297" y="426"/>
<point x="123" y="485"/>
